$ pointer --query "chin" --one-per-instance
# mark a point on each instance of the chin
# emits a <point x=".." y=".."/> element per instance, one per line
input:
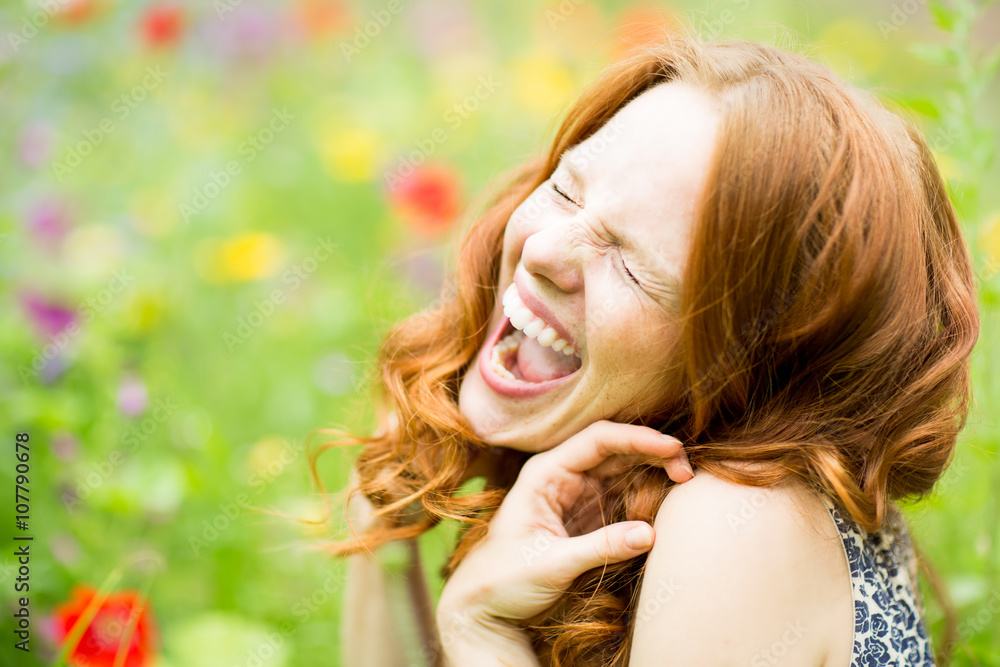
<point x="503" y="425"/>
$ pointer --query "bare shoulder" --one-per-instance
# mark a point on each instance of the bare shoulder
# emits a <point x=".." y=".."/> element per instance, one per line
<point x="739" y="573"/>
<point x="745" y="512"/>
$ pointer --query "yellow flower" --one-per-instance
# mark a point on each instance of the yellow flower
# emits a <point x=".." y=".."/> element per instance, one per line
<point x="143" y="312"/>
<point x="251" y="256"/>
<point x="542" y="85"/>
<point x="349" y="153"/>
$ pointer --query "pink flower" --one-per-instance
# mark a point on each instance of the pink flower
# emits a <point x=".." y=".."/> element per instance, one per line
<point x="132" y="396"/>
<point x="48" y="223"/>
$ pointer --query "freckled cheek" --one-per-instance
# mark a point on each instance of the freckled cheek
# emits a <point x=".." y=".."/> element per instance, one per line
<point x="611" y="341"/>
<point x="625" y="338"/>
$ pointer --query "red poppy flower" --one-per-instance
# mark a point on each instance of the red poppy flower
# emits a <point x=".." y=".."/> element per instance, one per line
<point x="427" y="198"/>
<point x="74" y="12"/>
<point x="162" y="25"/>
<point x="109" y="628"/>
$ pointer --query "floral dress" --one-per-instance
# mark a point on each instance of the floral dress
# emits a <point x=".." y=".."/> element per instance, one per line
<point x="888" y="613"/>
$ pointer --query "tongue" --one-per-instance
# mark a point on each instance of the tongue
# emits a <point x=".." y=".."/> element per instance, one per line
<point x="538" y="363"/>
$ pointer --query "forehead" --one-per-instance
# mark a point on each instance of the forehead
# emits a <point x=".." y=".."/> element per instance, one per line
<point x="646" y="168"/>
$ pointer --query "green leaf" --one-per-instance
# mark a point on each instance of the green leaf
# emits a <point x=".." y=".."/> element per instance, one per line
<point x="932" y="54"/>
<point x="923" y="106"/>
<point x="943" y="15"/>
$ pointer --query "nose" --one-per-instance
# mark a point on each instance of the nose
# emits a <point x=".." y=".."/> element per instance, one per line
<point x="553" y="254"/>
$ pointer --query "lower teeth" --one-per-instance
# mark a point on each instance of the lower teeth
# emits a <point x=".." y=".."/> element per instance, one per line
<point x="508" y="345"/>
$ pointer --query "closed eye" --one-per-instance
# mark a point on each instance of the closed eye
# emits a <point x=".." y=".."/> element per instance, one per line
<point x="630" y="274"/>
<point x="562" y="194"/>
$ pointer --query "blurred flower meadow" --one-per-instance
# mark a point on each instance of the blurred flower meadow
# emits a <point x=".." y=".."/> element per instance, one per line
<point x="211" y="211"/>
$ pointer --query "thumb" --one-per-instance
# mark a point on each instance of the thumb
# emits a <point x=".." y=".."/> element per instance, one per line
<point x="611" y="544"/>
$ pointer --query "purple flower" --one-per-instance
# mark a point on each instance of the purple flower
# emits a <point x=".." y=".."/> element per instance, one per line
<point x="49" y="318"/>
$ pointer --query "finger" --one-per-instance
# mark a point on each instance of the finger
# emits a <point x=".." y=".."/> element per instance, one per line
<point x="611" y="544"/>
<point x="550" y="482"/>
<point x="588" y="448"/>
<point x="677" y="467"/>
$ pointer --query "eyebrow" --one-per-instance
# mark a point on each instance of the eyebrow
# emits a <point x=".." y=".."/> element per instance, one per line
<point x="566" y="163"/>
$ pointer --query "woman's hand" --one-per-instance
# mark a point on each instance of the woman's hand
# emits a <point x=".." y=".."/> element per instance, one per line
<point x="528" y="559"/>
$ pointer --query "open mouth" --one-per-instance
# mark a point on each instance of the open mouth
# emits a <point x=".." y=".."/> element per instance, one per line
<point x="526" y="356"/>
<point x="521" y="358"/>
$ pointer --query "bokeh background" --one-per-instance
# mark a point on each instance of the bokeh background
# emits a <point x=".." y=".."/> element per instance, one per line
<point x="211" y="211"/>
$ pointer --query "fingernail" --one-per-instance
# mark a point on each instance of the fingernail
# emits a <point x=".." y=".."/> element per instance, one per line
<point x="639" y="537"/>
<point x="687" y="466"/>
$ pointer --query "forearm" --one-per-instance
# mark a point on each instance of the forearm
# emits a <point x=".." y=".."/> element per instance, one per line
<point x="368" y="632"/>
<point x="369" y="629"/>
<point x="486" y="642"/>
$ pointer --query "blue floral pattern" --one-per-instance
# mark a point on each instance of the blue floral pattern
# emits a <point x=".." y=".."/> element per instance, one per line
<point x="888" y="612"/>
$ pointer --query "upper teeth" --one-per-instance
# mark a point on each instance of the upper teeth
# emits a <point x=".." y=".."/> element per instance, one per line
<point x="532" y="325"/>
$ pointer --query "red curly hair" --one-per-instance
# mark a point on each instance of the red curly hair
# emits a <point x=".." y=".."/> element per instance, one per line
<point x="828" y="312"/>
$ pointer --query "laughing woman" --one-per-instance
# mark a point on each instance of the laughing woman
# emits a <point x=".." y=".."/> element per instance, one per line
<point x="730" y="260"/>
